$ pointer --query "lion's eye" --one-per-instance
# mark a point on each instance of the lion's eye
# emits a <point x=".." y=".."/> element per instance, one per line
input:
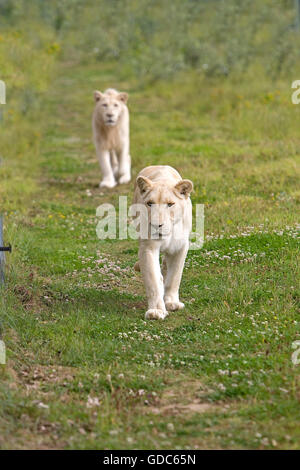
<point x="170" y="204"/>
<point x="104" y="105"/>
<point x="149" y="203"/>
<point x="116" y="105"/>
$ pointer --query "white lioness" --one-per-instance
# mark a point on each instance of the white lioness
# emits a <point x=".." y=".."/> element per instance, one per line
<point x="168" y="222"/>
<point x="111" y="136"/>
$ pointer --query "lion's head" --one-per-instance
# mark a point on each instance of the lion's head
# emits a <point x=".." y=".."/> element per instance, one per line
<point x="166" y="203"/>
<point x="109" y="105"/>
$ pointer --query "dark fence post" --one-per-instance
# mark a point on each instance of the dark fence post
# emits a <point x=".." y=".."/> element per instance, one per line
<point x="2" y="250"/>
<point x="2" y="257"/>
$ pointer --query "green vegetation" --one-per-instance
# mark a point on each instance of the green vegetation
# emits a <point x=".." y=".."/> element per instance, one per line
<point x="84" y="369"/>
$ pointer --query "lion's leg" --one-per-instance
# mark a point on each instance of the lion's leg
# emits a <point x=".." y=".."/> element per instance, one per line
<point x="124" y="165"/>
<point x="114" y="163"/>
<point x="108" y="179"/>
<point x="175" y="264"/>
<point x="153" y="282"/>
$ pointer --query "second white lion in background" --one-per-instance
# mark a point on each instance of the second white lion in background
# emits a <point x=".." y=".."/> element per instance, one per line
<point x="111" y="137"/>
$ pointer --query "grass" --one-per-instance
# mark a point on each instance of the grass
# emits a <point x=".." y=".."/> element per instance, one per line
<point x="84" y="369"/>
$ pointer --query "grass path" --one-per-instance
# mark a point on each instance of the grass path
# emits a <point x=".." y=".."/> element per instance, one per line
<point x="85" y="370"/>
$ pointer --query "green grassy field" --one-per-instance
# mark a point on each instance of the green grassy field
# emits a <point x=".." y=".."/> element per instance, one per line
<point x="84" y="369"/>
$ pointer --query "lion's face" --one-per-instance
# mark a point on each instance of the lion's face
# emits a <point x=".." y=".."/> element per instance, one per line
<point x="165" y="204"/>
<point x="109" y="106"/>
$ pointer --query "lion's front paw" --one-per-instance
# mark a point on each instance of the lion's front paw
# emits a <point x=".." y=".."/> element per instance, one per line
<point x="111" y="183"/>
<point x="172" y="306"/>
<point x="156" y="314"/>
<point x="124" y="179"/>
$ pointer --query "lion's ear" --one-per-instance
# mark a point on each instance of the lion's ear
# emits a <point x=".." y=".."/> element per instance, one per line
<point x="98" y="95"/>
<point x="123" y="97"/>
<point x="184" y="187"/>
<point x="143" y="183"/>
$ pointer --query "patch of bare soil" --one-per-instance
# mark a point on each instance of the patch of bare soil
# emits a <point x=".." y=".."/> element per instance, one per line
<point x="35" y="377"/>
<point x="183" y="397"/>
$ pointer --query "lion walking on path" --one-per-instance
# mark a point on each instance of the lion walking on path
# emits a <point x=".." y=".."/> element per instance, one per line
<point x="110" y="124"/>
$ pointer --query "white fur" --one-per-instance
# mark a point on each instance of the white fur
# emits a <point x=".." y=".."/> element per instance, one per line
<point x="111" y="137"/>
<point x="162" y="185"/>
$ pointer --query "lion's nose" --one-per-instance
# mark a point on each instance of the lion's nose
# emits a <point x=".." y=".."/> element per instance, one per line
<point x="109" y="115"/>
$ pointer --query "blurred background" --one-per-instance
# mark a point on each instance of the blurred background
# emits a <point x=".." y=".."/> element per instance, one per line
<point x="157" y="39"/>
<point x="249" y="46"/>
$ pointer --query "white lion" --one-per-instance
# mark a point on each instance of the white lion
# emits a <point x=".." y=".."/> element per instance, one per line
<point x="111" y="136"/>
<point x="167" y="217"/>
